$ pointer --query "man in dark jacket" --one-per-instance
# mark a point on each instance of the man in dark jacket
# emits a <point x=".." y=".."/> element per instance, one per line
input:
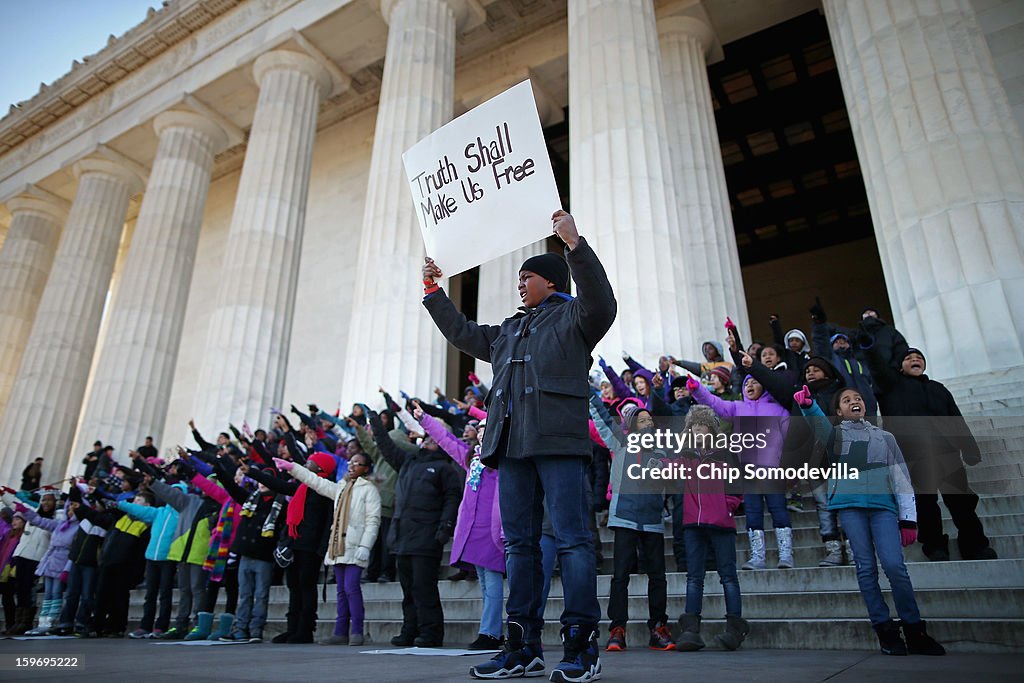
<point x="890" y="346"/>
<point x="121" y="567"/>
<point x="537" y="435"/>
<point x="933" y="435"/>
<point x="427" y="497"/>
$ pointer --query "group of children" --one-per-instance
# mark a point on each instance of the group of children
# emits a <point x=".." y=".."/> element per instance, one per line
<point x="371" y="495"/>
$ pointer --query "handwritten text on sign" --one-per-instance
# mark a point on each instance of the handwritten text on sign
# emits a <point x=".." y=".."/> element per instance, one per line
<point x="482" y="184"/>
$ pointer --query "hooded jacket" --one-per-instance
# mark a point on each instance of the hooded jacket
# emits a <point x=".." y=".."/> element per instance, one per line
<point x="541" y="359"/>
<point x="363" y="517"/>
<point x="707" y="501"/>
<point x="883" y="481"/>
<point x="163" y="522"/>
<point x="192" y="532"/>
<point x="62" y="535"/>
<point x="427" y="496"/>
<point x="762" y="416"/>
<point x="479" y="514"/>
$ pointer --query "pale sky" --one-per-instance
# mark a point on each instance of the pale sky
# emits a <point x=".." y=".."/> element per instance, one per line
<point x="42" y="37"/>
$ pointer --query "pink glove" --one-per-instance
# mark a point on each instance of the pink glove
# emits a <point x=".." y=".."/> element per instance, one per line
<point x="20" y="508"/>
<point x="908" y="537"/>
<point x="7" y="489"/>
<point x="284" y="465"/>
<point x="64" y="576"/>
<point x="729" y="324"/>
<point x="803" y="397"/>
<point x="692" y="385"/>
<point x="473" y="379"/>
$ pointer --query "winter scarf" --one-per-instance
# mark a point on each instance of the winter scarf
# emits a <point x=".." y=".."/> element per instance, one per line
<point x="297" y="508"/>
<point x="341" y="511"/>
<point x="249" y="509"/>
<point x="217" y="559"/>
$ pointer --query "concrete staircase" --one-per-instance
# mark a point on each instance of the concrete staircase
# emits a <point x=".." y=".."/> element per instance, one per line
<point x="970" y="606"/>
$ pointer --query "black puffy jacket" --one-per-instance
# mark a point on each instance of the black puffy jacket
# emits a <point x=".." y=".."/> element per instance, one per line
<point x="427" y="496"/>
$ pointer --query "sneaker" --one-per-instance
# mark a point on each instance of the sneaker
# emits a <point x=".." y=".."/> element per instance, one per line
<point x="173" y="633"/>
<point x="426" y="641"/>
<point x="661" y="638"/>
<point x="795" y="504"/>
<point x="83" y="632"/>
<point x="256" y="637"/>
<point x="237" y="636"/>
<point x="403" y="640"/>
<point x="156" y="634"/>
<point x="486" y="642"/>
<point x="616" y="640"/>
<point x="335" y="640"/>
<point x="356" y="639"/>
<point x="280" y="638"/>
<point x="116" y="635"/>
<point x="526" y="660"/>
<point x="139" y="634"/>
<point x="582" y="660"/>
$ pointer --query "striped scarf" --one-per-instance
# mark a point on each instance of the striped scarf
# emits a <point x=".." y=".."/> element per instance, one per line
<point x="217" y="558"/>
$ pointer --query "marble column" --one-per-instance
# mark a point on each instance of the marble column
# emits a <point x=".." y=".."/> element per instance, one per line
<point x="246" y="356"/>
<point x="621" y="179"/>
<point x="25" y="260"/>
<point x="943" y="165"/>
<point x="42" y="411"/>
<point x="132" y="382"/>
<point x="709" y="239"/>
<point x="498" y="296"/>
<point x="393" y="341"/>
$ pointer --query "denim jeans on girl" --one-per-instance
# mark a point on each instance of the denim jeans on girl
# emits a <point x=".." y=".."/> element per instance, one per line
<point x="871" y="532"/>
<point x="492" y="589"/>
<point x="753" y="507"/>
<point x="722" y="543"/>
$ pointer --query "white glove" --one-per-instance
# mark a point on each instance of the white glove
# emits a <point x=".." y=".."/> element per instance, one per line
<point x="362" y="554"/>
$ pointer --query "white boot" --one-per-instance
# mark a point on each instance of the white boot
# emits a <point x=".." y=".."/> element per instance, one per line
<point x="756" y="560"/>
<point x="833" y="554"/>
<point x="784" y="537"/>
<point x="45" y="620"/>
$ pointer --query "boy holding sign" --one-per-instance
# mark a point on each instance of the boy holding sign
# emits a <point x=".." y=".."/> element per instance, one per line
<point x="537" y="435"/>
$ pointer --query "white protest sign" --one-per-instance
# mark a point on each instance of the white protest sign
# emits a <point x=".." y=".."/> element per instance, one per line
<point x="482" y="184"/>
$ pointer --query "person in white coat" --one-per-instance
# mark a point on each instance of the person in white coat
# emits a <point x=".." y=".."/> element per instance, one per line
<point x="356" y="523"/>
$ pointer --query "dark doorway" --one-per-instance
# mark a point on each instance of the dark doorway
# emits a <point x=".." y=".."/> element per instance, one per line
<point x="799" y="207"/>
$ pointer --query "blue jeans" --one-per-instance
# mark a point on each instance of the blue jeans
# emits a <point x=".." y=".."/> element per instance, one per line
<point x="53" y="588"/>
<point x="699" y="541"/>
<point x="525" y="484"/>
<point x="548" y="555"/>
<point x="492" y="589"/>
<point x="828" y="521"/>
<point x="254" y="578"/>
<point x="753" y="507"/>
<point x="874" y="531"/>
<point x="81" y="597"/>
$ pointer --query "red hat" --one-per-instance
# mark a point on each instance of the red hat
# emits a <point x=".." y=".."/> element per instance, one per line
<point x="325" y="461"/>
<point x="723" y="374"/>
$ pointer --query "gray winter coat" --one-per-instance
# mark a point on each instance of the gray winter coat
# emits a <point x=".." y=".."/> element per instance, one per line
<point x="541" y="359"/>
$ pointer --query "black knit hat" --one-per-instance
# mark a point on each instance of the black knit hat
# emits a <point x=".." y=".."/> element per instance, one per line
<point x="913" y="350"/>
<point x="551" y="267"/>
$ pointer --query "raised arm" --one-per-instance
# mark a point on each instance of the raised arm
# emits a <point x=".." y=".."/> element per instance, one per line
<point x="595" y="306"/>
<point x="618" y="386"/>
<point x="700" y="393"/>
<point x="391" y="453"/>
<point x="287" y="488"/>
<point x="145" y="513"/>
<point x="171" y="495"/>
<point x="210" y="489"/>
<point x="458" y="449"/>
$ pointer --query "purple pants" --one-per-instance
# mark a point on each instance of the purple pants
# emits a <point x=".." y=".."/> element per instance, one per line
<point x="350" y="599"/>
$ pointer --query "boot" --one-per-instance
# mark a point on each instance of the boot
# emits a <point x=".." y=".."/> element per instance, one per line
<point x="736" y="629"/>
<point x="833" y="554"/>
<point x="938" y="553"/>
<point x="204" y="624"/>
<point x="756" y="560"/>
<point x="25" y="618"/>
<point x="919" y="642"/>
<point x="45" y="620"/>
<point x="13" y="625"/>
<point x="784" y="538"/>
<point x="689" y="639"/>
<point x="889" y="639"/>
<point x="223" y="627"/>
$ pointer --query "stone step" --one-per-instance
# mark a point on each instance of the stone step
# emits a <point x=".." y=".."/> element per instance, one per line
<point x="957" y="635"/>
<point x="926" y="576"/>
<point x="807" y="534"/>
<point x="986" y="471"/>
<point x="1005" y="487"/>
<point x="999" y="456"/>
<point x="987" y="603"/>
